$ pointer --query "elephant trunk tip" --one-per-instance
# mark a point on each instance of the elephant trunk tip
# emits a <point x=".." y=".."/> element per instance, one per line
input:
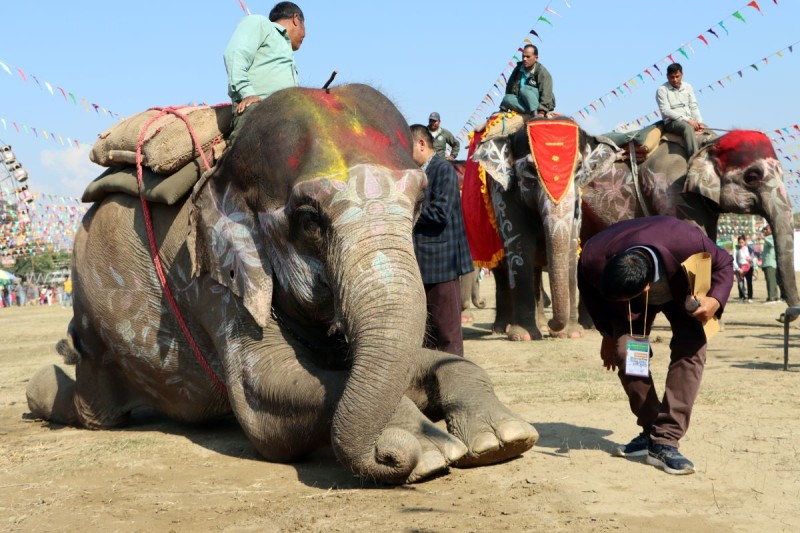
<point x="392" y="459"/>
<point x="556" y="325"/>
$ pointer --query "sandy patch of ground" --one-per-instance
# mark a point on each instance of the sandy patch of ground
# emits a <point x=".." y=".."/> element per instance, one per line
<point x="162" y="476"/>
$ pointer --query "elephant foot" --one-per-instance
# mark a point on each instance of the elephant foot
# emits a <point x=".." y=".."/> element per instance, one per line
<point x="500" y="328"/>
<point x="573" y="332"/>
<point x="437" y="448"/>
<point x="518" y="333"/>
<point x="467" y="318"/>
<point x="492" y="435"/>
<point x="50" y="395"/>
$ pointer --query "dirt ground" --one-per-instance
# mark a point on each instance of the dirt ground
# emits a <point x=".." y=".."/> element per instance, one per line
<point x="162" y="476"/>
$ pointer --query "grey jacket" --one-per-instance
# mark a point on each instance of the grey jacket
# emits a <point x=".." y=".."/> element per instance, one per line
<point x="541" y="79"/>
<point x="441" y="139"/>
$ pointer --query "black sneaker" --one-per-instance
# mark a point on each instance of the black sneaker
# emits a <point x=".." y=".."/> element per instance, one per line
<point x="670" y="459"/>
<point x="635" y="448"/>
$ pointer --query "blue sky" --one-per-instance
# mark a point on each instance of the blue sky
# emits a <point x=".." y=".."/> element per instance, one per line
<point x="426" y="56"/>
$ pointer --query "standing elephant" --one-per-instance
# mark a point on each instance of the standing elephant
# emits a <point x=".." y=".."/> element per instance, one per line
<point x="537" y="230"/>
<point x="298" y="285"/>
<point x="735" y="173"/>
<point x="470" y="294"/>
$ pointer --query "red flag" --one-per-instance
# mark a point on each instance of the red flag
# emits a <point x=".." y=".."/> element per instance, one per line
<point x="554" y="150"/>
<point x="22" y="74"/>
<point x="755" y="5"/>
<point x="63" y="93"/>
<point x="702" y="38"/>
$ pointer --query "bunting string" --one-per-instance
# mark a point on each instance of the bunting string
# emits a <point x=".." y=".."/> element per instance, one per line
<point x="719" y="84"/>
<point x="56" y="90"/>
<point x="682" y="52"/>
<point x="41" y="134"/>
<point x="38" y="223"/>
<point x="497" y="90"/>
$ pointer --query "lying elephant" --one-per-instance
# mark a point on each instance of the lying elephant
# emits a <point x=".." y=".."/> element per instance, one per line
<point x="293" y="268"/>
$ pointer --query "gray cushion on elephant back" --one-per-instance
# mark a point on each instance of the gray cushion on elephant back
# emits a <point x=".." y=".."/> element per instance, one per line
<point x="157" y="187"/>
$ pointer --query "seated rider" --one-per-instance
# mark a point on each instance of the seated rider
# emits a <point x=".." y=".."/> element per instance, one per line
<point x="530" y="87"/>
<point x="678" y="106"/>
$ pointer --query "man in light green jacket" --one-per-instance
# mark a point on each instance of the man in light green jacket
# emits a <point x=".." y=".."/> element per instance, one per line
<point x="259" y="58"/>
<point x="768" y="264"/>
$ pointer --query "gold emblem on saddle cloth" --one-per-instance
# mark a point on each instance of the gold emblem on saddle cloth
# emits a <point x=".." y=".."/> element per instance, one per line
<point x="554" y="150"/>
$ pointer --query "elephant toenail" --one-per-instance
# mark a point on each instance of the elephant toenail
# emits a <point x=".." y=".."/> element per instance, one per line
<point x="485" y="442"/>
<point x="453" y="451"/>
<point x="514" y="431"/>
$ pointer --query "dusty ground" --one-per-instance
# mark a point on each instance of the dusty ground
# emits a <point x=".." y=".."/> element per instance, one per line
<point x="161" y="476"/>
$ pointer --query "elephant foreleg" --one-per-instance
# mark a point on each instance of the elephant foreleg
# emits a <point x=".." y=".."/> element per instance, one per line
<point x="459" y="391"/>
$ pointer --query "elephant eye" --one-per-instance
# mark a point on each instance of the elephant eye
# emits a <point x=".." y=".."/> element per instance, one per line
<point x="753" y="175"/>
<point x="307" y="219"/>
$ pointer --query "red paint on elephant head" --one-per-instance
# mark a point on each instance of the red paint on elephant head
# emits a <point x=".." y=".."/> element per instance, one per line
<point x="741" y="148"/>
<point x="330" y="101"/>
<point x="401" y="138"/>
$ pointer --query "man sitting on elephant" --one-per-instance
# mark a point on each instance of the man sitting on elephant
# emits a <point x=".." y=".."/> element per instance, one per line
<point x="259" y="57"/>
<point x="678" y="106"/>
<point x="530" y="87"/>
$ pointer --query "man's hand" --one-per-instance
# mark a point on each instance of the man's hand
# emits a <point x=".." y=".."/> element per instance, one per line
<point x="608" y="353"/>
<point x="451" y="157"/>
<point x="708" y="308"/>
<point x="697" y="126"/>
<point x="247" y="102"/>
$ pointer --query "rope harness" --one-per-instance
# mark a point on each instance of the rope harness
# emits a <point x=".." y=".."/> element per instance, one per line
<point x="152" y="239"/>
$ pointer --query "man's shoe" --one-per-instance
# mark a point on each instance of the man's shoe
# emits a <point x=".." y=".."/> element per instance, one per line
<point x="635" y="448"/>
<point x="670" y="459"/>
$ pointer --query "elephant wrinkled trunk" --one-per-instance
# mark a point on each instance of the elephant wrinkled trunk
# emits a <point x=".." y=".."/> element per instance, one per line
<point x="383" y="308"/>
<point x="560" y="259"/>
<point x="779" y="217"/>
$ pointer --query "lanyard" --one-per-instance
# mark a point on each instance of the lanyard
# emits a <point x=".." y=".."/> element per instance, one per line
<point x="630" y="315"/>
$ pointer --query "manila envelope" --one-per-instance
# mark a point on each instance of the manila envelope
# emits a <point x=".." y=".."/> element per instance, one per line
<point x="698" y="270"/>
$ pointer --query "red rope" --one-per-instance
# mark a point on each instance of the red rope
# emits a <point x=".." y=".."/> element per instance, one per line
<point x="152" y="239"/>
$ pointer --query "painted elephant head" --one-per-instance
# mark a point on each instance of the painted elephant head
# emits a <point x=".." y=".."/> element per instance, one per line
<point x="508" y="160"/>
<point x="740" y="173"/>
<point x="313" y="221"/>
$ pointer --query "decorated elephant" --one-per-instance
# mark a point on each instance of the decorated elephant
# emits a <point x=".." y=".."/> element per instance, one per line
<point x="539" y="219"/>
<point x="293" y="299"/>
<point x="735" y="173"/>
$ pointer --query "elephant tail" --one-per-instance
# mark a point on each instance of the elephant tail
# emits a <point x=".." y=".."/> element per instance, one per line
<point x="66" y="348"/>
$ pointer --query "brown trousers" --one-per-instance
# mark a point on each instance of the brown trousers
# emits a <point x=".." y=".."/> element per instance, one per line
<point x="666" y="420"/>
<point x="443" y="326"/>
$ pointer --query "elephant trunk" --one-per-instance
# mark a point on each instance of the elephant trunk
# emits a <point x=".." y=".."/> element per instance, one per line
<point x="558" y="226"/>
<point x="779" y="217"/>
<point x="382" y="303"/>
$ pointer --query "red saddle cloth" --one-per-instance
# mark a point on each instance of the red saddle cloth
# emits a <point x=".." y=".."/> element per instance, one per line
<point x="476" y="204"/>
<point x="554" y="149"/>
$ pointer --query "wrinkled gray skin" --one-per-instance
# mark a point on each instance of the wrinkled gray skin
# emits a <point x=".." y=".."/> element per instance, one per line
<point x="299" y="284"/>
<point x="538" y="233"/>
<point x="723" y="177"/>
<point x="470" y="294"/>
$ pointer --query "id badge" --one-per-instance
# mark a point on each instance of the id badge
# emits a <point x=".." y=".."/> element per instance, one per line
<point x="637" y="361"/>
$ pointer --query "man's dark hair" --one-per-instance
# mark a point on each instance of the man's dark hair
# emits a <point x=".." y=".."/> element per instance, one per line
<point x="535" y="50"/>
<point x="418" y="131"/>
<point x="673" y="68"/>
<point x="625" y="275"/>
<point x="285" y="10"/>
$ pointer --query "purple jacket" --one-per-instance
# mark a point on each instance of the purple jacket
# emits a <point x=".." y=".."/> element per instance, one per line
<point x="674" y="240"/>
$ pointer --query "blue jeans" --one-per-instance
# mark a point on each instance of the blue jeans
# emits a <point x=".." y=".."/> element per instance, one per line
<point x="527" y="101"/>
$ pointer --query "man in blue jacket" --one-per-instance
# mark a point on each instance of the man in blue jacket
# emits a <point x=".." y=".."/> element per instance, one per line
<point x="440" y="243"/>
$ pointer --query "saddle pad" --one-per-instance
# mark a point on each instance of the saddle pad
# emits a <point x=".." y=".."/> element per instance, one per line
<point x="158" y="188"/>
<point x="554" y="149"/>
<point x="167" y="144"/>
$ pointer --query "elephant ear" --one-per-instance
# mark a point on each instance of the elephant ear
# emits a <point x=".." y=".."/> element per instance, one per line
<point x="702" y="178"/>
<point x="495" y="157"/>
<point x="225" y="241"/>
<point x="598" y="155"/>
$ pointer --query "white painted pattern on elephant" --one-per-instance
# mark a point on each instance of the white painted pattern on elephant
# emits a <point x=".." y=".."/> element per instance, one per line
<point x="655" y="186"/>
<point x="614" y="190"/>
<point x="511" y="239"/>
